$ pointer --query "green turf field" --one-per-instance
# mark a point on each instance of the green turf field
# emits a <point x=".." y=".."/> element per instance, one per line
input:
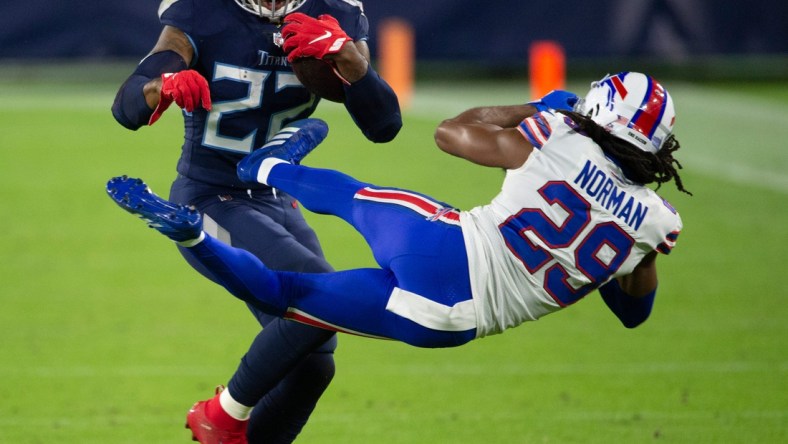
<point x="108" y="336"/>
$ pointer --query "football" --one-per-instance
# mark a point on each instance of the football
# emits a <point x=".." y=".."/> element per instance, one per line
<point x="318" y="77"/>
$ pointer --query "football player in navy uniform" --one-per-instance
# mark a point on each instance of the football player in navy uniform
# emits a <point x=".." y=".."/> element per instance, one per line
<point x="226" y="64"/>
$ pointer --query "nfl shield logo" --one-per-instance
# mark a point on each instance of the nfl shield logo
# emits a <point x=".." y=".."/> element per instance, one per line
<point x="278" y="40"/>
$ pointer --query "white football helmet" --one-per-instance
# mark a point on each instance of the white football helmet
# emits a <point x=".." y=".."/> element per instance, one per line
<point x="633" y="107"/>
<point x="271" y="10"/>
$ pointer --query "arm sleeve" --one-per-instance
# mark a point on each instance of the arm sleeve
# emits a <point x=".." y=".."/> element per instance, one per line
<point x="374" y="107"/>
<point x="130" y="108"/>
<point x="182" y="14"/>
<point x="370" y="101"/>
<point x="630" y="310"/>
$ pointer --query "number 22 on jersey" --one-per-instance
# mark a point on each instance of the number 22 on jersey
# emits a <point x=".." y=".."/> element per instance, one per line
<point x="254" y="99"/>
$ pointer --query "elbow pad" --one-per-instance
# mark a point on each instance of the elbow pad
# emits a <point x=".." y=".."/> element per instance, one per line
<point x="374" y="107"/>
<point x="130" y="108"/>
<point x="630" y="310"/>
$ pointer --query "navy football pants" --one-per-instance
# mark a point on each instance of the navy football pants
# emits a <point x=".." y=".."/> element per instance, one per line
<point x="288" y="365"/>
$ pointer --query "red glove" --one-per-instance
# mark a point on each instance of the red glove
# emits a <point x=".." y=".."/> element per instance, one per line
<point x="306" y="36"/>
<point x="187" y="88"/>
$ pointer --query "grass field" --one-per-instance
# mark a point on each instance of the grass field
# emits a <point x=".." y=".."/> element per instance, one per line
<point x="107" y="336"/>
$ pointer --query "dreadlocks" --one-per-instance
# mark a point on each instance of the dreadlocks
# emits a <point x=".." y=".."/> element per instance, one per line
<point x="638" y="165"/>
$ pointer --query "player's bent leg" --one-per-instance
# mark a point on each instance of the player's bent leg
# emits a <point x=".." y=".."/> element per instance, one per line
<point x="261" y="381"/>
<point x="271" y="227"/>
<point x="242" y="274"/>
<point x="289" y="342"/>
<point x="319" y="190"/>
<point x="353" y="301"/>
<point x="282" y="413"/>
<point x="183" y="223"/>
<point x="290" y="144"/>
<point x="357" y="302"/>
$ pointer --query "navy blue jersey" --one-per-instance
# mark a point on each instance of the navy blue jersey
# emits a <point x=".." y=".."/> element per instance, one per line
<point x="253" y="88"/>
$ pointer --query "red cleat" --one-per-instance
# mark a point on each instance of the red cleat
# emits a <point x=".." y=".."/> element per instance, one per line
<point x="212" y="425"/>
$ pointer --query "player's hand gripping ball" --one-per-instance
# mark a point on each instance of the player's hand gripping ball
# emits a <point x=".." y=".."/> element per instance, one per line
<point x="307" y="40"/>
<point x="188" y="89"/>
<point x="319" y="78"/>
<point x="306" y="36"/>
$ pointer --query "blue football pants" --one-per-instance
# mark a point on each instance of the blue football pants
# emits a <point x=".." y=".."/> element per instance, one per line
<point x="416" y="241"/>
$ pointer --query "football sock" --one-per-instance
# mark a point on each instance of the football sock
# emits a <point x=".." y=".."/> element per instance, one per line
<point x="233" y="408"/>
<point x="216" y="414"/>
<point x="265" y="169"/>
<point x="192" y="242"/>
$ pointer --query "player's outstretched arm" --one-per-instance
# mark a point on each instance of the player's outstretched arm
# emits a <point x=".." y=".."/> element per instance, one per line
<point x="157" y="82"/>
<point x="631" y="297"/>
<point x="486" y="136"/>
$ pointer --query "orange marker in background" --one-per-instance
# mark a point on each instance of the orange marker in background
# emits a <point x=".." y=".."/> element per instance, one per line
<point x="547" y="68"/>
<point x="396" y="56"/>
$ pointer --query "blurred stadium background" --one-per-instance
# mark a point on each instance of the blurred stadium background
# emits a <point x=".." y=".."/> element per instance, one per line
<point x="107" y="336"/>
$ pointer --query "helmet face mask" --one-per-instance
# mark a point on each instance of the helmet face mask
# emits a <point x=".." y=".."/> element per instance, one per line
<point x="271" y="10"/>
<point x="633" y="107"/>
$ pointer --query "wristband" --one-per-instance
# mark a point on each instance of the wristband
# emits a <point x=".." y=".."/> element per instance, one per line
<point x="130" y="108"/>
<point x="630" y="310"/>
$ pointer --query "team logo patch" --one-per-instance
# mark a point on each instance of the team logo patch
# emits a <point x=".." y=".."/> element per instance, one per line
<point x="278" y="39"/>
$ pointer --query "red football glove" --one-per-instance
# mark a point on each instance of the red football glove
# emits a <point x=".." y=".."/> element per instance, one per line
<point x="306" y="36"/>
<point x="187" y="88"/>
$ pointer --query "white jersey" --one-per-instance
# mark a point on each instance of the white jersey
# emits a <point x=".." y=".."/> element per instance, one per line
<point x="564" y="223"/>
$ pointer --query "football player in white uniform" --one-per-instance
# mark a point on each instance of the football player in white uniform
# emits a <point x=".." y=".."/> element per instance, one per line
<point x="574" y="215"/>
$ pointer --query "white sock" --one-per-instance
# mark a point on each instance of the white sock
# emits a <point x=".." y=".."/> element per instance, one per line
<point x="233" y="407"/>
<point x="265" y="169"/>
<point x="192" y="242"/>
